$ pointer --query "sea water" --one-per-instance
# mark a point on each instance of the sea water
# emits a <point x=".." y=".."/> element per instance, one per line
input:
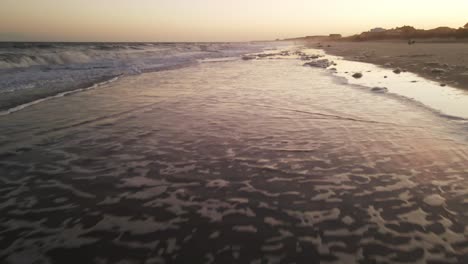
<point x="233" y="161"/>
<point x="34" y="71"/>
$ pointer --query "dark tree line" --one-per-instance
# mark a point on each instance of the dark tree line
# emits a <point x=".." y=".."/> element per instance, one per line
<point x="408" y="32"/>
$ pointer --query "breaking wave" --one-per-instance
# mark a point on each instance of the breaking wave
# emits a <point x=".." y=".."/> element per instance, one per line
<point x="33" y="71"/>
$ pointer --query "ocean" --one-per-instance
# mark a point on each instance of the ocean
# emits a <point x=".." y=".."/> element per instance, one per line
<point x="204" y="155"/>
<point x="33" y="71"/>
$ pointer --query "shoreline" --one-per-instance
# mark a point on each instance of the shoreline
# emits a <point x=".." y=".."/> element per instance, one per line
<point x="439" y="62"/>
<point x="448" y="101"/>
<point x="267" y="154"/>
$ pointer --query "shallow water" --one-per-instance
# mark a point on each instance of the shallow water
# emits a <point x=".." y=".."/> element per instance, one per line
<point x="445" y="99"/>
<point x="30" y="72"/>
<point x="261" y="161"/>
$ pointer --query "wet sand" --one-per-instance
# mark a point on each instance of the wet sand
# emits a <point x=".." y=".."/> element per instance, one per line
<point x="257" y="161"/>
<point x="446" y="63"/>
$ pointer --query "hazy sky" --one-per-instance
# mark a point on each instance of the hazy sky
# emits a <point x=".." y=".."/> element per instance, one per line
<point x="215" y="20"/>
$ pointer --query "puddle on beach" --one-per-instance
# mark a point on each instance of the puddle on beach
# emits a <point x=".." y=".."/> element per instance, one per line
<point x="445" y="99"/>
<point x="245" y="161"/>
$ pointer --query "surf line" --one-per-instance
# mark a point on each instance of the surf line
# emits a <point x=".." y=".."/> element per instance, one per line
<point x="62" y="94"/>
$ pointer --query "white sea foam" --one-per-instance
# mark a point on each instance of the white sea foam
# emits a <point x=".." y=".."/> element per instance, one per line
<point x="264" y="153"/>
<point x="33" y="73"/>
<point x="23" y="106"/>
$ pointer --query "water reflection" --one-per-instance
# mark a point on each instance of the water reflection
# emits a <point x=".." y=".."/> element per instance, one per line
<point x="448" y="100"/>
<point x="241" y="162"/>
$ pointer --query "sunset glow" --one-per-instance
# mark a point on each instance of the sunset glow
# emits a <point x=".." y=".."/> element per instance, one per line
<point x="214" y="20"/>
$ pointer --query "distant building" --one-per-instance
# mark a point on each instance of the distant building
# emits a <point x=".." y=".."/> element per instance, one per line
<point x="377" y="30"/>
<point x="335" y="36"/>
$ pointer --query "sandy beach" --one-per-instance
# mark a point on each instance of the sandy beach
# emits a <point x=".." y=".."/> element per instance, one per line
<point x="444" y="62"/>
<point x="234" y="132"/>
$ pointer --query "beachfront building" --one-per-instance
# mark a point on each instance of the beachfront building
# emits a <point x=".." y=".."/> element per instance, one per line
<point x="377" y="30"/>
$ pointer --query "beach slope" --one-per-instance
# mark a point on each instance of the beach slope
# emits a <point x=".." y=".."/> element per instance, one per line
<point x="444" y="62"/>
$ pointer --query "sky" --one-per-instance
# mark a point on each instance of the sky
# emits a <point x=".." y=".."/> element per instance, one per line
<point x="215" y="20"/>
